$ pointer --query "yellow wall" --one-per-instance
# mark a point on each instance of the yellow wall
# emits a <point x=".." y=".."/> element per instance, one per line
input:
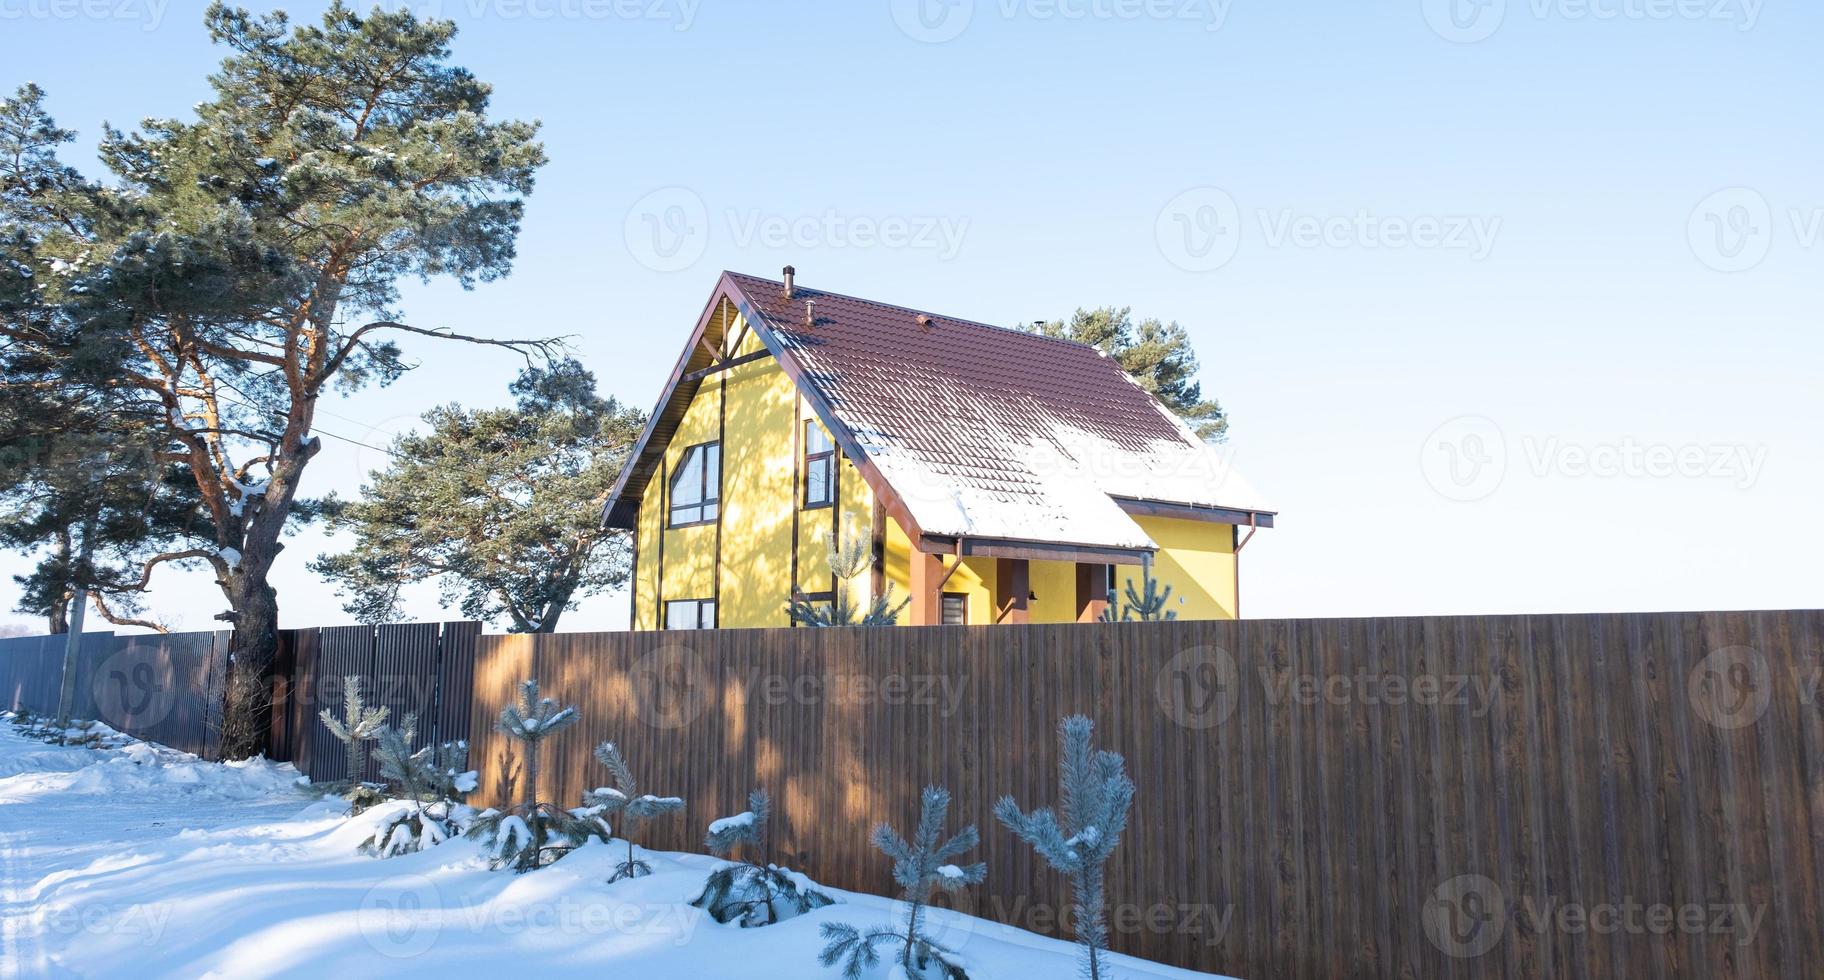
<point x="1197" y="559"/>
<point x="761" y="494"/>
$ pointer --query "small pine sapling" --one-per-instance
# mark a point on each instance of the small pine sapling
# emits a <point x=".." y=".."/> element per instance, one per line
<point x="520" y="836"/>
<point x="846" y="562"/>
<point x="752" y="892"/>
<point x="920" y="867"/>
<point x="434" y="779"/>
<point x="359" y="724"/>
<point x="635" y="808"/>
<point x="1096" y="797"/>
<point x="1147" y="607"/>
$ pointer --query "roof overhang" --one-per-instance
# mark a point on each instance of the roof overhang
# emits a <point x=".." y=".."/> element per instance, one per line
<point x="939" y="544"/>
<point x="1136" y="507"/>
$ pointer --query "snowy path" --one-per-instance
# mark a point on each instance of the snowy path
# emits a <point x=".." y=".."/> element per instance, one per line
<point x="143" y="862"/>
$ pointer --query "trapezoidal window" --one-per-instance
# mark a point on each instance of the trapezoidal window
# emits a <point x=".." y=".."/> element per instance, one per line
<point x="819" y="466"/>
<point x="696" y="487"/>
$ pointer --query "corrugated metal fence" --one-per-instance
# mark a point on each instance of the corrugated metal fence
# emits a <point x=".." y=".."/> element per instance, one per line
<point x="1528" y="796"/>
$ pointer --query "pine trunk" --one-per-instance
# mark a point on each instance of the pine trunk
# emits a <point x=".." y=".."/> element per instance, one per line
<point x="246" y="713"/>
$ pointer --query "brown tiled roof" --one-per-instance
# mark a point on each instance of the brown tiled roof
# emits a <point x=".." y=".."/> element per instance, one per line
<point x="987" y="432"/>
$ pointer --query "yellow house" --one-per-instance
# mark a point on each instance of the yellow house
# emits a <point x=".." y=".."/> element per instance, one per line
<point x="993" y="475"/>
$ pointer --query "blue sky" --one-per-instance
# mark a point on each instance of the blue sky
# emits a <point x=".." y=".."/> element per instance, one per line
<point x="1515" y="305"/>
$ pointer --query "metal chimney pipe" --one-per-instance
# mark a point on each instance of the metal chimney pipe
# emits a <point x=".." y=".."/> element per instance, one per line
<point x="789" y="273"/>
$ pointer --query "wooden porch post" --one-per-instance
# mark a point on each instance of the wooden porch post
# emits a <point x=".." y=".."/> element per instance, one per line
<point x="1092" y="592"/>
<point x="927" y="607"/>
<point x="1012" y="590"/>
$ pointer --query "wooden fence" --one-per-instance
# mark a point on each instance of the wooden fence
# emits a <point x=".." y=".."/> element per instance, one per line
<point x="1627" y="795"/>
<point x="1611" y="795"/>
<point x="164" y="688"/>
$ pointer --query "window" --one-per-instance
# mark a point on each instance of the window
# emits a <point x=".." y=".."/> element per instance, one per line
<point x="819" y="466"/>
<point x="823" y="602"/>
<point x="696" y="488"/>
<point x="956" y="609"/>
<point x="690" y="614"/>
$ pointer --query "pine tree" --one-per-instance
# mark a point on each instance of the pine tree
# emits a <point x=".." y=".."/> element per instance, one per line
<point x="752" y="892"/>
<point x="499" y="506"/>
<point x="1146" y="608"/>
<point x="433" y="779"/>
<point x="1097" y="796"/>
<point x="1157" y="355"/>
<point x="242" y="263"/>
<point x="359" y="724"/>
<point x="520" y="836"/>
<point x="846" y="561"/>
<point x="920" y="867"/>
<point x="635" y="808"/>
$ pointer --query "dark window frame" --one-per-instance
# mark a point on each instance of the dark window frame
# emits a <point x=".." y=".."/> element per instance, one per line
<point x="701" y="604"/>
<point x="712" y="495"/>
<point x="943" y="608"/>
<point x="826" y="459"/>
<point x="815" y="598"/>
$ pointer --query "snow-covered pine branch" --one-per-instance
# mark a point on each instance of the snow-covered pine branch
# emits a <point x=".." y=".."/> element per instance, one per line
<point x="635" y="808"/>
<point x="921" y="866"/>
<point x="1097" y="795"/>
<point x="753" y="892"/>
<point x="358" y="725"/>
<point x="521" y="835"/>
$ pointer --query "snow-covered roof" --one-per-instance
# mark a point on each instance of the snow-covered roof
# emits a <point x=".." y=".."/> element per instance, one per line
<point x="981" y="432"/>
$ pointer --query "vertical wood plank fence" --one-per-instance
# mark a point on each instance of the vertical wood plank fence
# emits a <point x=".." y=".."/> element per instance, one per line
<point x="1528" y="796"/>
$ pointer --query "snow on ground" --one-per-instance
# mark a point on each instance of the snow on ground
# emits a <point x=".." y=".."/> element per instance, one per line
<point x="139" y="861"/>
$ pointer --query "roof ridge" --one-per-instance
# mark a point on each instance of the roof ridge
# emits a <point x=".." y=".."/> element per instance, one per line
<point x="908" y="309"/>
